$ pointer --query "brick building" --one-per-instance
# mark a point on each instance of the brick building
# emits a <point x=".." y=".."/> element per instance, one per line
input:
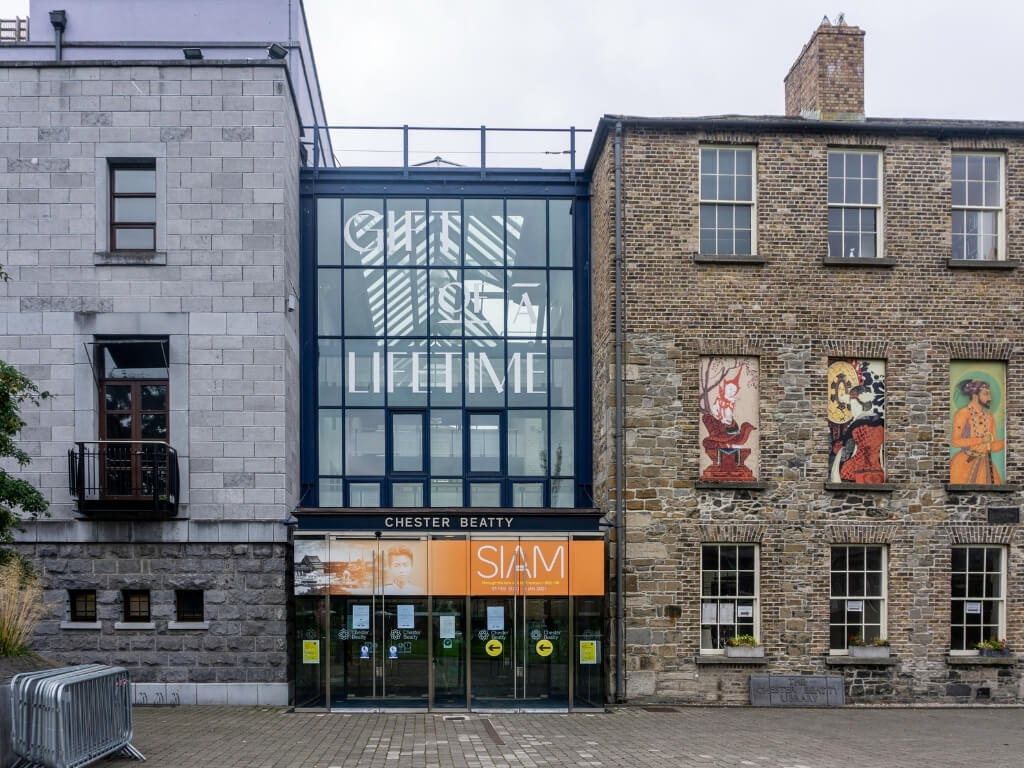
<point x="820" y="340"/>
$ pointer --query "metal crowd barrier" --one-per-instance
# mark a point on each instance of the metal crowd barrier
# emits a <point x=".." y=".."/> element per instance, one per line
<point x="71" y="717"/>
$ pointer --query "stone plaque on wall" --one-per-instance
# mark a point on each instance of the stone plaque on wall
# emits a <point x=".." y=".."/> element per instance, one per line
<point x="796" y="691"/>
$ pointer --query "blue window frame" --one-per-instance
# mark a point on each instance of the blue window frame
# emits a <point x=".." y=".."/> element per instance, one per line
<point x="431" y="314"/>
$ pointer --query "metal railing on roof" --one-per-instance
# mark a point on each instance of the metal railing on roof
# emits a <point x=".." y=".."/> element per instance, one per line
<point x="14" y="30"/>
<point x="473" y="150"/>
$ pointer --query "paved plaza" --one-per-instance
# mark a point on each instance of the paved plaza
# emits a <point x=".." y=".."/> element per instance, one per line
<point x="261" y="737"/>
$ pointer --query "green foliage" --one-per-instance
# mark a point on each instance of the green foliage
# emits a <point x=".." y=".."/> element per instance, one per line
<point x="18" y="498"/>
<point x="746" y="641"/>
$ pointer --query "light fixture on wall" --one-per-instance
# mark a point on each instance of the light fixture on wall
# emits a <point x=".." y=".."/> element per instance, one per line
<point x="277" y="51"/>
<point x="292" y="302"/>
<point x="193" y="54"/>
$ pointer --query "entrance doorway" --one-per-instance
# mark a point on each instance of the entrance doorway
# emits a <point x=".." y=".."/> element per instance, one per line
<point x="520" y="637"/>
<point x="449" y="622"/>
<point x="379" y="638"/>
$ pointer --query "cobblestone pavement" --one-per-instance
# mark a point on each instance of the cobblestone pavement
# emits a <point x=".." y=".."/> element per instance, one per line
<point x="777" y="738"/>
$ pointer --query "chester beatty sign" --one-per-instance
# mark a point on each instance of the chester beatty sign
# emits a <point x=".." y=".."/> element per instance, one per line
<point x="451" y="521"/>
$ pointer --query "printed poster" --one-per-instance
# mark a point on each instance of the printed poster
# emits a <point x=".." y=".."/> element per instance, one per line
<point x="588" y="651"/>
<point x="977" y="411"/>
<point x="310" y="651"/>
<point x="360" y="617"/>
<point x="495" y="618"/>
<point x="447" y="627"/>
<point x="406" y="616"/>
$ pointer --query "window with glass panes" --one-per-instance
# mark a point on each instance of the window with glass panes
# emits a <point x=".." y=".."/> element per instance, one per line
<point x="857" y="596"/>
<point x="978" y="216"/>
<point x="446" y="359"/>
<point x="133" y="205"/>
<point x="854" y="204"/>
<point x="136" y="604"/>
<point x="727" y="209"/>
<point x="977" y="591"/>
<point x="728" y="603"/>
<point x="83" y="604"/>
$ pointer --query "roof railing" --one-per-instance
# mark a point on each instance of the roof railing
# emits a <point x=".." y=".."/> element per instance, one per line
<point x="482" y="144"/>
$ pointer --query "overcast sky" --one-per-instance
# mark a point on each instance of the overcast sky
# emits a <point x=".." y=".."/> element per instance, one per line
<point x="554" y="63"/>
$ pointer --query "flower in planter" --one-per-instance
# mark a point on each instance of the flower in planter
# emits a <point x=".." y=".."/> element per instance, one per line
<point x="880" y="642"/>
<point x="743" y="641"/>
<point x="992" y="644"/>
<point x="855" y="640"/>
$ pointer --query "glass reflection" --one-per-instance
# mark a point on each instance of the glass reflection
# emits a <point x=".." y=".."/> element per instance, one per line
<point x="445" y="226"/>
<point x="485" y="240"/>
<point x="407" y="232"/>
<point x="364" y="442"/>
<point x="527" y="443"/>
<point x="560" y="233"/>
<point x="407" y="302"/>
<point x="363" y="233"/>
<point x="526" y="228"/>
<point x="484" y="442"/>
<point x="445" y="442"/>
<point x="328" y="231"/>
<point x="527" y="302"/>
<point x="365" y="307"/>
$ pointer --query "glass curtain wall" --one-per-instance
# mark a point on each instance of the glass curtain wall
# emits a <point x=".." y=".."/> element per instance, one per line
<point x="446" y="358"/>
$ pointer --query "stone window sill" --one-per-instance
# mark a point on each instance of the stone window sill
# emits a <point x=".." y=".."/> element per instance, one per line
<point x="130" y="258"/>
<point x="715" y="658"/>
<point x="134" y="625"/>
<point x="965" y="488"/>
<point x="982" y="264"/>
<point x="881" y="487"/>
<point x="741" y="258"/>
<point x="81" y="625"/>
<point x="860" y="661"/>
<point x="846" y="261"/>
<point x="194" y="625"/>
<point x="706" y="485"/>
<point x="956" y="660"/>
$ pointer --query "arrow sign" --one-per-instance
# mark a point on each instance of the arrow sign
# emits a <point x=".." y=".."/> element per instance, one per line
<point x="493" y="647"/>
<point x="544" y="647"/>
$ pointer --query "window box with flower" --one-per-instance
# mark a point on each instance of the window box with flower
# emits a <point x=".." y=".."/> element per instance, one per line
<point x="993" y="647"/>
<point x="874" y="649"/>
<point x="744" y="646"/>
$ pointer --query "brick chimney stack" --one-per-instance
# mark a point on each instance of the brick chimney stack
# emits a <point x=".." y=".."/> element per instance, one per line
<point x="827" y="80"/>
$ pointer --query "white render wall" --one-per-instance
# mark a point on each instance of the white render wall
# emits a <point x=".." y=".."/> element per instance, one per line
<point x="226" y="143"/>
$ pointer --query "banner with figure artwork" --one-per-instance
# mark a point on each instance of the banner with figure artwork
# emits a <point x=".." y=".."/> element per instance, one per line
<point x="977" y="408"/>
<point x="729" y="408"/>
<point x="856" y="421"/>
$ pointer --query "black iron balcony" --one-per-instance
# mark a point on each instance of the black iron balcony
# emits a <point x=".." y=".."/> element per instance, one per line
<point x="124" y="479"/>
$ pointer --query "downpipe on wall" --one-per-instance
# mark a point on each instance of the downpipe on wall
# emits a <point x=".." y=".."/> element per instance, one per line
<point x="620" y="472"/>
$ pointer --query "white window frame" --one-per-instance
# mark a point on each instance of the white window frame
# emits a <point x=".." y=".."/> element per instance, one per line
<point x="878" y="207"/>
<point x="755" y="599"/>
<point x="701" y="201"/>
<point x="1001" y="600"/>
<point x="883" y="597"/>
<point x="1000" y="210"/>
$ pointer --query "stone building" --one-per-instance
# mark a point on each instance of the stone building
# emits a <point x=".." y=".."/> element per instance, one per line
<point x="343" y="437"/>
<point x="149" y="199"/>
<point x="820" y="341"/>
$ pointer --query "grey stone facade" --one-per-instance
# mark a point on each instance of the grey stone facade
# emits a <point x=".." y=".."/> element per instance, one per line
<point x="225" y="140"/>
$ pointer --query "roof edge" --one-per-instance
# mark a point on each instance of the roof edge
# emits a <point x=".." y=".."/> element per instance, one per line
<point x="769" y="124"/>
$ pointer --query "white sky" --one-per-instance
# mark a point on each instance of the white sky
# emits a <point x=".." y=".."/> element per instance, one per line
<point x="555" y="63"/>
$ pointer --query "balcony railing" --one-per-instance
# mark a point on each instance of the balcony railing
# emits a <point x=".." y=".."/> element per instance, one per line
<point x="128" y="479"/>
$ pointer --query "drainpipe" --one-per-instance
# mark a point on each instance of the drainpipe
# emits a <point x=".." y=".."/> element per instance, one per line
<point x="620" y="407"/>
<point x="59" y="20"/>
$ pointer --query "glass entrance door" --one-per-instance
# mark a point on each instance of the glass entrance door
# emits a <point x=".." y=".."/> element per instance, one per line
<point x="379" y="640"/>
<point x="519" y="634"/>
